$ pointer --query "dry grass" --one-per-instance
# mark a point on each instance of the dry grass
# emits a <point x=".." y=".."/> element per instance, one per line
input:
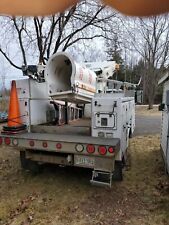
<point x="62" y="196"/>
<point x="3" y="105"/>
<point x="143" y="110"/>
<point x="148" y="180"/>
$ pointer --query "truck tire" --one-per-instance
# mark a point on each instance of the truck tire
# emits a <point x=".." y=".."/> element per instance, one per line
<point x="28" y="164"/>
<point x="118" y="171"/>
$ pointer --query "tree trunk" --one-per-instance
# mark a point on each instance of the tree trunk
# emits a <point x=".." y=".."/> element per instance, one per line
<point x="150" y="105"/>
<point x="150" y="101"/>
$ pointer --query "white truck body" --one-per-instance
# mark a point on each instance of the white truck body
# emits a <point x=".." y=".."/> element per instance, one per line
<point x="113" y="117"/>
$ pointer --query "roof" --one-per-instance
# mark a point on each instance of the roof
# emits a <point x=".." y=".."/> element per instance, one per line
<point x="163" y="79"/>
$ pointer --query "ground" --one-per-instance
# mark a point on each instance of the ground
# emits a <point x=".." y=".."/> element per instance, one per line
<point x="62" y="196"/>
<point x="147" y="121"/>
<point x="3" y="105"/>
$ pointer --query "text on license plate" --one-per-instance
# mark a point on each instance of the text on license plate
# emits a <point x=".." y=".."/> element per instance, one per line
<point x="84" y="160"/>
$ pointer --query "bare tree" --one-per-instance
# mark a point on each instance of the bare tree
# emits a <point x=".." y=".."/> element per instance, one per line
<point x="150" y="38"/>
<point x="114" y="51"/>
<point x="44" y="36"/>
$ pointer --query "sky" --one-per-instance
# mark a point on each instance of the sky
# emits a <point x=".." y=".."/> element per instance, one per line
<point x="8" y="72"/>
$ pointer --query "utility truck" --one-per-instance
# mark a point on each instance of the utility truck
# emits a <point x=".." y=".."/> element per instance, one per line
<point x="76" y="115"/>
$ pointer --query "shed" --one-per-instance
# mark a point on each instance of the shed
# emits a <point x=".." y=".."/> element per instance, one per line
<point x="165" y="120"/>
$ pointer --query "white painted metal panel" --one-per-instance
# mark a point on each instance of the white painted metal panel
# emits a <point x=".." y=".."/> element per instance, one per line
<point x="34" y="112"/>
<point x="23" y="88"/>
<point x="38" y="109"/>
<point x="24" y="110"/>
<point x="87" y="111"/>
<point x="29" y="88"/>
<point x="38" y="90"/>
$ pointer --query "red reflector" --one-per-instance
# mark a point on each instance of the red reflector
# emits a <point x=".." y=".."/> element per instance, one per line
<point x="7" y="141"/>
<point x="90" y="149"/>
<point x="111" y="149"/>
<point x="58" y="145"/>
<point x="102" y="150"/>
<point x="1" y="141"/>
<point x="32" y="143"/>
<point x="45" y="144"/>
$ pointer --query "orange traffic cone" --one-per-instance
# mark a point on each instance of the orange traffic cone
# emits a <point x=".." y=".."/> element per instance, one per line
<point x="14" y="119"/>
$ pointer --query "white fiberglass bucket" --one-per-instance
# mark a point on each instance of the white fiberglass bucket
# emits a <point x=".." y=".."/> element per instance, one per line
<point x="69" y="81"/>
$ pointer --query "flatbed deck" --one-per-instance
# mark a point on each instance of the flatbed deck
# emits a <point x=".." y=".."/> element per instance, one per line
<point x="77" y="132"/>
<point x="67" y="138"/>
<point x="77" y="127"/>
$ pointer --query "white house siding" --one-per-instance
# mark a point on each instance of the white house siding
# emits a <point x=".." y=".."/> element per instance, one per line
<point x="166" y="87"/>
<point x="167" y="161"/>
<point x="164" y="126"/>
<point x="164" y="131"/>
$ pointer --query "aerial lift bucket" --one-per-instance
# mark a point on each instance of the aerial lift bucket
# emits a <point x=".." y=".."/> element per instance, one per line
<point x="69" y="81"/>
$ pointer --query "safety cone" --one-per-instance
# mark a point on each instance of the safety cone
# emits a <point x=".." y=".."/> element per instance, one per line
<point x="14" y="118"/>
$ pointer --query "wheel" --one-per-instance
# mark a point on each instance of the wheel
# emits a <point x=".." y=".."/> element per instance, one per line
<point x="28" y="164"/>
<point x="118" y="171"/>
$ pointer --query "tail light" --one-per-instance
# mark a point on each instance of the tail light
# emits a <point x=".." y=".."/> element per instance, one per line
<point x="32" y="143"/>
<point x="7" y="140"/>
<point x="58" y="146"/>
<point x="1" y="140"/>
<point x="111" y="150"/>
<point x="45" y="144"/>
<point x="90" y="149"/>
<point x="102" y="150"/>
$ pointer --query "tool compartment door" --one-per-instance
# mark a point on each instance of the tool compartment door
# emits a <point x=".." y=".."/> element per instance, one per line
<point x="106" y="120"/>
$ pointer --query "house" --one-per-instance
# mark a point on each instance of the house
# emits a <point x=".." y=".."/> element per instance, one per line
<point x="164" y="107"/>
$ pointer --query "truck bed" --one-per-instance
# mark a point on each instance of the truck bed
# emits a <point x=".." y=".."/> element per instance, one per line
<point x="67" y="133"/>
<point x="68" y="138"/>
<point x="77" y="132"/>
<point x="76" y="127"/>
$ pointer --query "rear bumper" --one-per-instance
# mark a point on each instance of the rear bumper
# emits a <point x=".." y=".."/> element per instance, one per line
<point x="60" y="143"/>
<point x="63" y="150"/>
<point x="93" y="162"/>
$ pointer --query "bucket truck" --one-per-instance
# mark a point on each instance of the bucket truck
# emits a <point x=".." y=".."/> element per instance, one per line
<point x="53" y="103"/>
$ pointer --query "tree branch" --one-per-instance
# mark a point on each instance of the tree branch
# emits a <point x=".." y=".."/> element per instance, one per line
<point x="9" y="60"/>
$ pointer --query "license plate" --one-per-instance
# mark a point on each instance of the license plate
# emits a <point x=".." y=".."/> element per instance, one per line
<point x="84" y="161"/>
